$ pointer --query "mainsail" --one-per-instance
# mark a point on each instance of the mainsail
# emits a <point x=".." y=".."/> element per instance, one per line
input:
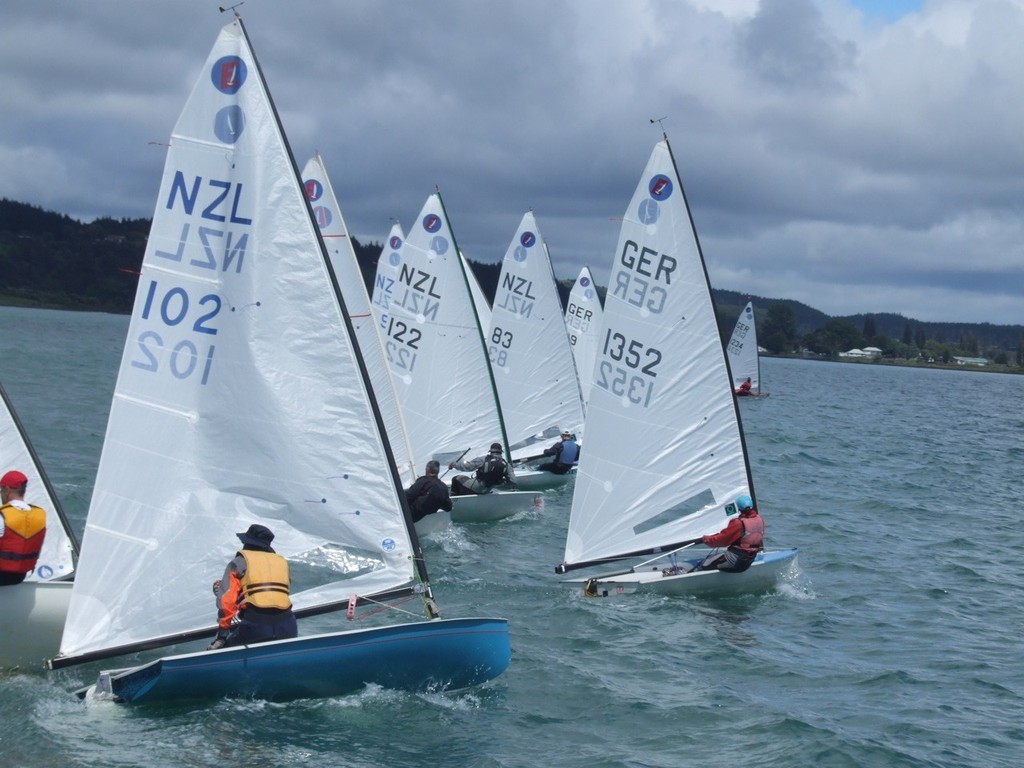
<point x="664" y="457"/>
<point x="744" y="361"/>
<point x="343" y="259"/>
<point x="528" y="344"/>
<point x="584" y="318"/>
<point x="240" y="397"/>
<point x="435" y="346"/>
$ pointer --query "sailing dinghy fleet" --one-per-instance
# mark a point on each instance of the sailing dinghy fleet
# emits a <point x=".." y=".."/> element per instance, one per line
<point x="260" y="383"/>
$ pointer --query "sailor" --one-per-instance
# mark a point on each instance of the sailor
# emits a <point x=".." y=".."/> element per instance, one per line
<point x="744" y="388"/>
<point x="428" y="494"/>
<point x="744" y="537"/>
<point x="253" y="597"/>
<point x="491" y="470"/>
<point x="566" y="453"/>
<point x="22" y="529"/>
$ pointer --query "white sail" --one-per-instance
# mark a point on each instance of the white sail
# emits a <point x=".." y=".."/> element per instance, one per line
<point x="386" y="276"/>
<point x="744" y="361"/>
<point x="328" y="216"/>
<point x="584" y="318"/>
<point x="664" y="457"/>
<point x="435" y="347"/>
<point x="483" y="309"/>
<point x="240" y="397"/>
<point x="528" y="344"/>
<point x="57" y="557"/>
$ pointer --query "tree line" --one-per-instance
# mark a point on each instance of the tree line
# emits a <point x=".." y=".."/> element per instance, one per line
<point x="51" y="260"/>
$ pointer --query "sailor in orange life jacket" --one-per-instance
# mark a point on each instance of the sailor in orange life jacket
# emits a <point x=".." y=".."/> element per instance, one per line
<point x="253" y="602"/>
<point x="22" y="529"/>
<point x="744" y="388"/>
<point x="744" y="537"/>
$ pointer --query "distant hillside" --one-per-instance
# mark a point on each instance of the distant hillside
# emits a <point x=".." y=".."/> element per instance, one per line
<point x="50" y="260"/>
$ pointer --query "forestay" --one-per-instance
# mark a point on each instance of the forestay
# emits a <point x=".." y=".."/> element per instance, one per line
<point x="336" y="238"/>
<point x="584" y="318"/>
<point x="239" y="397"/>
<point x="664" y="457"/>
<point x="528" y="344"/>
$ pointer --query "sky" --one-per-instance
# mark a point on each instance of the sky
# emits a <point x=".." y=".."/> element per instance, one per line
<point x="854" y="155"/>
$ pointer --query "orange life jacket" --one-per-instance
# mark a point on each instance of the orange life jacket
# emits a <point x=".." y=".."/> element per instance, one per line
<point x="752" y="539"/>
<point x="22" y="541"/>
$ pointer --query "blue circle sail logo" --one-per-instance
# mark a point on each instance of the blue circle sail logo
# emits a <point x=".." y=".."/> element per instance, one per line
<point x="432" y="222"/>
<point x="323" y="216"/>
<point x="528" y="239"/>
<point x="661" y="187"/>
<point x="439" y="245"/>
<point x="228" y="74"/>
<point x="229" y="123"/>
<point x="584" y="281"/>
<point x="395" y="242"/>
<point x="648" y="211"/>
<point x="314" y="190"/>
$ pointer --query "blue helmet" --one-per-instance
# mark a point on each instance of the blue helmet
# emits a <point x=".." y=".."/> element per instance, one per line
<point x="744" y="503"/>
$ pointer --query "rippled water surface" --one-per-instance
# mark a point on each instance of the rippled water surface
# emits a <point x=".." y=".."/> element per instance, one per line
<point x="897" y="643"/>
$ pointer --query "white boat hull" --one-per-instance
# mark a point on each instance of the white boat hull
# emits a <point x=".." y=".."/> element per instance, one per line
<point x="33" y="620"/>
<point x="529" y="479"/>
<point x="496" y="505"/>
<point x="762" y="576"/>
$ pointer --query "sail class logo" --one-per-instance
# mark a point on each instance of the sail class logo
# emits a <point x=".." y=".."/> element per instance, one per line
<point x="314" y="190"/>
<point x="584" y="281"/>
<point x="528" y="239"/>
<point x="323" y="216"/>
<point x="432" y="222"/>
<point x="228" y="74"/>
<point x="229" y="123"/>
<point x="395" y="242"/>
<point x="660" y="187"/>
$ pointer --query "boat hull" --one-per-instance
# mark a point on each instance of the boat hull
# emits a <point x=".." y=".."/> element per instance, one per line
<point x="529" y="479"/>
<point x="496" y="505"/>
<point x="762" y="576"/>
<point x="33" y="620"/>
<point x="435" y="655"/>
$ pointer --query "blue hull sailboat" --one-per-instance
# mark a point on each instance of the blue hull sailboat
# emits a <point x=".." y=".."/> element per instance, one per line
<point x="243" y="398"/>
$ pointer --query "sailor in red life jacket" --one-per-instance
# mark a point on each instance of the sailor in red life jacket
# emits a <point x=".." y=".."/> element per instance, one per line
<point x="253" y="597"/>
<point x="22" y="529"/>
<point x="744" y="388"/>
<point x="744" y="537"/>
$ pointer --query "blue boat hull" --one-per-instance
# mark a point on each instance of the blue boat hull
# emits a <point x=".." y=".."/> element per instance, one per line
<point x="432" y="655"/>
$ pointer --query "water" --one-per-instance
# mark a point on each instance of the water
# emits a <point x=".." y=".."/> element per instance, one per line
<point x="896" y="644"/>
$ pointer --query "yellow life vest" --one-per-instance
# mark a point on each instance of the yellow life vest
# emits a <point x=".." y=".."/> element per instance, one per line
<point x="266" y="583"/>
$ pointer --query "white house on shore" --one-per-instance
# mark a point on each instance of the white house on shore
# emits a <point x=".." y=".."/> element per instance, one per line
<point x="866" y="353"/>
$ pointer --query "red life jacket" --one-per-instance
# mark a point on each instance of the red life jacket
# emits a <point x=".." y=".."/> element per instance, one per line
<point x="22" y="541"/>
<point x="752" y="539"/>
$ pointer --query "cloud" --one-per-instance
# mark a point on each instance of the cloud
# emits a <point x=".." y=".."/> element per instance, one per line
<point x="830" y="155"/>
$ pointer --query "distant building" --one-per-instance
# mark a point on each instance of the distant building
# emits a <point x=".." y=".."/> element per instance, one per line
<point x="866" y="353"/>
<point x="971" y="360"/>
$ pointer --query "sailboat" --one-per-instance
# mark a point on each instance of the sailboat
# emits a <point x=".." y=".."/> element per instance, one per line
<point x="328" y="216"/>
<point x="530" y="353"/>
<point x="584" y="318"/>
<point x="242" y="398"/>
<point x="665" y="456"/>
<point x="439" y="363"/>
<point x="34" y="611"/>
<point x="744" y="360"/>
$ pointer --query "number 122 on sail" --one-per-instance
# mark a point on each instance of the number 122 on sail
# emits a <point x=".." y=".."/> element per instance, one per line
<point x="185" y="358"/>
<point x="635" y="381"/>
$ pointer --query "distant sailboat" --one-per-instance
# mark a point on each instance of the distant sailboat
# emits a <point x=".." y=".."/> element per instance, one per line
<point x="34" y="611"/>
<point x="242" y="398"/>
<point x="529" y="348"/>
<point x="665" y="458"/>
<point x="744" y="359"/>
<point x="439" y="363"/>
<point x="584" y="317"/>
<point x="328" y="216"/>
